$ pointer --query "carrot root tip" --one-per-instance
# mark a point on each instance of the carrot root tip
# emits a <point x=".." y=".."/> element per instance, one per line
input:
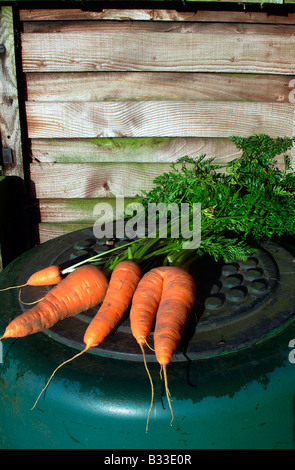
<point x="54" y="372"/>
<point x="168" y="394"/>
<point x="13" y="287"/>
<point x="149" y="346"/>
<point x="152" y="386"/>
<point x="28" y="303"/>
<point x="31" y="303"/>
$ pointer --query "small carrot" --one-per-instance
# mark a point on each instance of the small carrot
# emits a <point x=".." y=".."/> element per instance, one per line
<point x="122" y="284"/>
<point x="166" y="293"/>
<point x="80" y="290"/>
<point x="45" y="277"/>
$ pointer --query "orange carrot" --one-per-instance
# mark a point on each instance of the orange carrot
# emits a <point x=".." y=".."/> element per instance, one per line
<point x="166" y="293"/>
<point x="145" y="304"/>
<point x="122" y="284"/>
<point x="45" y="277"/>
<point x="176" y="304"/>
<point x="143" y="310"/>
<point x="80" y="290"/>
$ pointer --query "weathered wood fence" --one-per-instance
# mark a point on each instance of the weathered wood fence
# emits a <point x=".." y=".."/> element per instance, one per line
<point x="114" y="96"/>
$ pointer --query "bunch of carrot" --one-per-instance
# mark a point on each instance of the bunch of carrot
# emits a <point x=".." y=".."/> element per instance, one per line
<point x="164" y="293"/>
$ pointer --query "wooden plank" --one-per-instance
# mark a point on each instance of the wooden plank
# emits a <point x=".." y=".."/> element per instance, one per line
<point x="10" y="130"/>
<point x="161" y="119"/>
<point x="48" y="231"/>
<point x="60" y="216"/>
<point x="77" y="210"/>
<point x="154" y="15"/>
<point x="52" y="14"/>
<point x="137" y="149"/>
<point x="200" y="47"/>
<point x="49" y="180"/>
<point x="93" y="180"/>
<point x="39" y="14"/>
<point x="111" y="86"/>
<point x="133" y="150"/>
<point x="174" y="27"/>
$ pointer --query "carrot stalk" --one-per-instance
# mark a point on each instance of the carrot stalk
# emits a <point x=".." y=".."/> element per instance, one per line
<point x="79" y="291"/>
<point x="122" y="285"/>
<point x="95" y="257"/>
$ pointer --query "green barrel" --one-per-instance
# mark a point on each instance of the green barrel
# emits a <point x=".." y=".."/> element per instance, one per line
<point x="242" y="398"/>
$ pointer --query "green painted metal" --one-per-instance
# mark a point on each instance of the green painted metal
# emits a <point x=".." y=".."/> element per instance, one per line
<point x="241" y="400"/>
<point x="3" y="196"/>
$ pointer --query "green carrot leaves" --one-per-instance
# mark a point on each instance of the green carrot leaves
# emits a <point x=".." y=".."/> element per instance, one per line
<point x="247" y="201"/>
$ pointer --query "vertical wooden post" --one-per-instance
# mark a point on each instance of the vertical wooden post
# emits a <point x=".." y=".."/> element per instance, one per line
<point x="293" y="135"/>
<point x="10" y="129"/>
<point x="13" y="233"/>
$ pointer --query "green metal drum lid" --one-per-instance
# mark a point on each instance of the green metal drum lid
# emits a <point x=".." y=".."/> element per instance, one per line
<point x="238" y="304"/>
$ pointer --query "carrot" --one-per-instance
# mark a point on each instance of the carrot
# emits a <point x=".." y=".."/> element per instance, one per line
<point x="45" y="277"/>
<point x="80" y="290"/>
<point x="143" y="310"/>
<point x="166" y="293"/>
<point x="145" y="304"/>
<point x="122" y="285"/>
<point x="123" y="282"/>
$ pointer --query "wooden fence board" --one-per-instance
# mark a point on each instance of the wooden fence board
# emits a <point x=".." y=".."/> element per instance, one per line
<point x="110" y="104"/>
<point x="48" y="231"/>
<point x="76" y="210"/>
<point x="117" y="86"/>
<point x="157" y="118"/>
<point x="201" y="47"/>
<point x="64" y="27"/>
<point x="92" y="180"/>
<point x="118" y="14"/>
<point x="137" y="149"/>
